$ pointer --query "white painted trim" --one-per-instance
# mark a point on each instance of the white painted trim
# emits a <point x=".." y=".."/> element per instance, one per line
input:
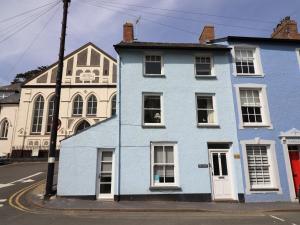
<point x="213" y="95"/>
<point x="176" y="164"/>
<point x="212" y="68"/>
<point x="99" y="154"/>
<point x="264" y="101"/>
<point x="285" y="136"/>
<point x="298" y="55"/>
<point x="162" y="121"/>
<point x="275" y="179"/>
<point x="257" y="60"/>
<point x="151" y="53"/>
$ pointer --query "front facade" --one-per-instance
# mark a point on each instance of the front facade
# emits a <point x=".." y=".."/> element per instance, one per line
<point x="88" y="96"/>
<point x="174" y="136"/>
<point x="265" y="78"/>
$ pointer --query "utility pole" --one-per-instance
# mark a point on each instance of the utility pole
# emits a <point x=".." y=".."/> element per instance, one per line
<point x="53" y="138"/>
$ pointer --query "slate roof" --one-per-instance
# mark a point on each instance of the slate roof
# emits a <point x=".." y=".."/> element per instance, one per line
<point x="256" y="39"/>
<point x="12" y="99"/>
<point x="164" y="45"/>
<point x="16" y="87"/>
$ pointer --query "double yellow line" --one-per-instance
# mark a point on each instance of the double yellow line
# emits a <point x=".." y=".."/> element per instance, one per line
<point x="14" y="200"/>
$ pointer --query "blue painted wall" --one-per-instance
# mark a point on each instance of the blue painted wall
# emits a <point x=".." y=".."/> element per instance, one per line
<point x="178" y="87"/>
<point x="282" y="79"/>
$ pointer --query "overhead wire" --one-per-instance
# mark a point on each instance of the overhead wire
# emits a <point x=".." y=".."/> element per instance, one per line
<point x="26" y="24"/>
<point x="26" y="12"/>
<point x="189" y="12"/>
<point x="122" y="9"/>
<point x="35" y="39"/>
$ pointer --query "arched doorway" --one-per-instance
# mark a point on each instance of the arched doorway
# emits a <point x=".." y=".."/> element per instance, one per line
<point x="82" y="125"/>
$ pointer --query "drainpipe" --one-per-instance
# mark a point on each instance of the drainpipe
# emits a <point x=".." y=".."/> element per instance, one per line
<point x="119" y="103"/>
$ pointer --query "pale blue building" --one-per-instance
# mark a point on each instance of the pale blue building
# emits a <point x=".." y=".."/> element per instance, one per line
<point x="174" y="136"/>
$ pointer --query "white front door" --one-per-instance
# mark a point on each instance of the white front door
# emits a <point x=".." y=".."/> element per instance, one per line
<point x="105" y="174"/>
<point x="220" y="175"/>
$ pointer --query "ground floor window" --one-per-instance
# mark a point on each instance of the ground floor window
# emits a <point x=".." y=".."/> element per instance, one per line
<point x="163" y="164"/>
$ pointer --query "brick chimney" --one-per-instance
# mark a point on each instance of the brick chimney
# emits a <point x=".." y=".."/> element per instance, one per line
<point x="128" y="35"/>
<point x="286" y="29"/>
<point x="208" y="33"/>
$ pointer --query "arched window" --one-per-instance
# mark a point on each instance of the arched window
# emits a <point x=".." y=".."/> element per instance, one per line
<point x="4" y="129"/>
<point x="50" y="114"/>
<point x="77" y="105"/>
<point x="38" y="111"/>
<point x="92" y="105"/>
<point x="113" y="105"/>
<point x="81" y="126"/>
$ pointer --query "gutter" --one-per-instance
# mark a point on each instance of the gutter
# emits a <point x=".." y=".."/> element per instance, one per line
<point x="119" y="103"/>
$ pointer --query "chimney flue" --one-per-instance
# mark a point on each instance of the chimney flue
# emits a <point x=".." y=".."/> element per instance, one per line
<point x="286" y="29"/>
<point x="208" y="34"/>
<point x="128" y="33"/>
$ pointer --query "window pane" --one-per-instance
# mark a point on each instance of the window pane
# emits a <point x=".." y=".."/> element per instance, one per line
<point x="169" y="154"/>
<point x="204" y="102"/>
<point x="152" y="102"/>
<point x="105" y="177"/>
<point x="169" y="174"/>
<point x="158" y="174"/>
<point x="105" y="188"/>
<point x="153" y="67"/>
<point x="224" y="164"/>
<point x="106" y="166"/>
<point x="107" y="156"/>
<point x="202" y="116"/>
<point x="158" y="154"/>
<point x="152" y="116"/>
<point x="216" y="164"/>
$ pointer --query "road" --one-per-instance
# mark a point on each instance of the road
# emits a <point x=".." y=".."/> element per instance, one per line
<point x="14" y="177"/>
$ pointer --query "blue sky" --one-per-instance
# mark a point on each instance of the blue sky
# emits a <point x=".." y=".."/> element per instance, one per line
<point x="101" y="22"/>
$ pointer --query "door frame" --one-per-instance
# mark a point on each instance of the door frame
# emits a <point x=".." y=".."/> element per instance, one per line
<point x="291" y="137"/>
<point x="230" y="172"/>
<point x="98" y="168"/>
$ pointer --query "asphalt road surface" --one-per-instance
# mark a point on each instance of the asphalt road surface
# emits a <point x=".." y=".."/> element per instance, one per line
<point x="15" y="177"/>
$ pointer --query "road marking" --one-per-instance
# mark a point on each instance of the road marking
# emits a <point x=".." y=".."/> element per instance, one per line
<point x="294" y="224"/>
<point x="1" y="205"/>
<point x="277" y="218"/>
<point x="5" y="185"/>
<point x="27" y="181"/>
<point x="2" y="200"/>
<point x="24" y="178"/>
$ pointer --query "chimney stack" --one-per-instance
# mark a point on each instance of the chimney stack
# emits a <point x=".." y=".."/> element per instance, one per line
<point x="286" y="29"/>
<point x="128" y="35"/>
<point x="208" y="34"/>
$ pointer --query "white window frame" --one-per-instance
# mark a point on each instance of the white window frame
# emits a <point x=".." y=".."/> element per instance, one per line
<point x="93" y="105"/>
<point x="258" y="69"/>
<point x="266" y="119"/>
<point x="161" y="64"/>
<point x="33" y="115"/>
<point x="73" y="104"/>
<point x="298" y="56"/>
<point x="4" y="128"/>
<point x="176" y="170"/>
<point x="212" y="69"/>
<point x="274" y="174"/>
<point x="161" y="124"/>
<point x="213" y="96"/>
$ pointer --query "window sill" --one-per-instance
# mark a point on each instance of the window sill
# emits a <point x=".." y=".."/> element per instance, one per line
<point x="166" y="188"/>
<point x="256" y="126"/>
<point x="154" y="126"/>
<point x="90" y="116"/>
<point x="249" y="75"/>
<point x="35" y="134"/>
<point x="3" y="139"/>
<point x="200" y="77"/>
<point x="257" y="190"/>
<point x="155" y="75"/>
<point x="76" y="116"/>
<point x="208" y="125"/>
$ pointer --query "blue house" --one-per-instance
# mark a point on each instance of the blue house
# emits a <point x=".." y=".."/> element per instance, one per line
<point x="174" y="136"/>
<point x="266" y="88"/>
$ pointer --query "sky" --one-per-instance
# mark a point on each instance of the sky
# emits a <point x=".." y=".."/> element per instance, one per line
<point x="31" y="39"/>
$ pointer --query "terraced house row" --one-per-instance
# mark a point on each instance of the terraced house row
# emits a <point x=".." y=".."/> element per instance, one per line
<point x="216" y="120"/>
<point x="209" y="121"/>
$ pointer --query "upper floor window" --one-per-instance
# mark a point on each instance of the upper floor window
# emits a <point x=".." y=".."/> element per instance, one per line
<point x="113" y="105"/>
<point x="203" y="66"/>
<point x="253" y="106"/>
<point x="50" y="114"/>
<point x="4" y="129"/>
<point x="77" y="105"/>
<point x="163" y="164"/>
<point x="205" y="110"/>
<point x="92" y="105"/>
<point x="153" y="65"/>
<point x="38" y="111"/>
<point x="246" y="61"/>
<point x="152" y="110"/>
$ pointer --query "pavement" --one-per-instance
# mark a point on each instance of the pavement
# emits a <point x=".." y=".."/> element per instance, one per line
<point x="21" y="203"/>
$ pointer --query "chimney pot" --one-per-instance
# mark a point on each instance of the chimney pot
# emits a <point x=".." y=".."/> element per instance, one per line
<point x="208" y="34"/>
<point x="286" y="29"/>
<point x="128" y="32"/>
